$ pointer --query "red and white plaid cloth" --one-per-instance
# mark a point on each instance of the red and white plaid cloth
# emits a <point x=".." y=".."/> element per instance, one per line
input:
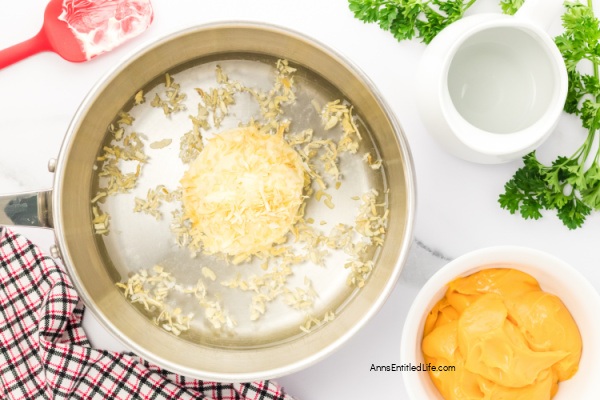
<point x="46" y="355"/>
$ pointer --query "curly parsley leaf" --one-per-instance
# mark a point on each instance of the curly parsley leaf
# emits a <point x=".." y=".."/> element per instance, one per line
<point x="525" y="192"/>
<point x="536" y="187"/>
<point x="570" y="185"/>
<point x="573" y="213"/>
<point x="408" y="19"/>
<point x="511" y="6"/>
<point x="423" y="19"/>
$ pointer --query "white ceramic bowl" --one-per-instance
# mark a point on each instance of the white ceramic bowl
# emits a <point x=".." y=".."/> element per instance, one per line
<point x="553" y="275"/>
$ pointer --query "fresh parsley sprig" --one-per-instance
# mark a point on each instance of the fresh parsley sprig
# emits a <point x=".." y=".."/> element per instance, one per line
<point x="570" y="185"/>
<point x="424" y="19"/>
<point x="407" y="19"/>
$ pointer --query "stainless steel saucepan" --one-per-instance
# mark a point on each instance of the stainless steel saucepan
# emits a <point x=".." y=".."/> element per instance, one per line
<point x="95" y="265"/>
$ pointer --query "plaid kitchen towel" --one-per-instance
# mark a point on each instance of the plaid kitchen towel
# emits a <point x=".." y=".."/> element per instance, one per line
<point x="46" y="355"/>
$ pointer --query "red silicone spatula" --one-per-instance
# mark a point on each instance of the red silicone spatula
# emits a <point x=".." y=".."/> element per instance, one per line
<point x="78" y="30"/>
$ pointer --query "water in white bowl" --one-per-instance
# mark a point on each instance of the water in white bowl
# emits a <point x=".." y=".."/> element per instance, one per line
<point x="500" y="81"/>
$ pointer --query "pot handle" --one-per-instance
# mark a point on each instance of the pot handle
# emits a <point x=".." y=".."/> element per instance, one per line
<point x="27" y="209"/>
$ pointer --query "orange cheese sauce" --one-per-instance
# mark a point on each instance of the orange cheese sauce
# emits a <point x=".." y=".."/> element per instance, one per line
<point x="507" y="338"/>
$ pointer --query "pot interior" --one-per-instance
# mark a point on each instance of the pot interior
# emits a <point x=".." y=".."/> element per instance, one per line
<point x="274" y="344"/>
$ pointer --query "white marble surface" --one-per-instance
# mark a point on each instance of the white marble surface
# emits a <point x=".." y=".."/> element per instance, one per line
<point x="457" y="208"/>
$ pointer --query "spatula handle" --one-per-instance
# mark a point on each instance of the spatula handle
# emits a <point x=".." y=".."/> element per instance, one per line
<point x="15" y="53"/>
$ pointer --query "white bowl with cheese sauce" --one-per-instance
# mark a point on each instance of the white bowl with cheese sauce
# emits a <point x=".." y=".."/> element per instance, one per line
<point x="554" y="276"/>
